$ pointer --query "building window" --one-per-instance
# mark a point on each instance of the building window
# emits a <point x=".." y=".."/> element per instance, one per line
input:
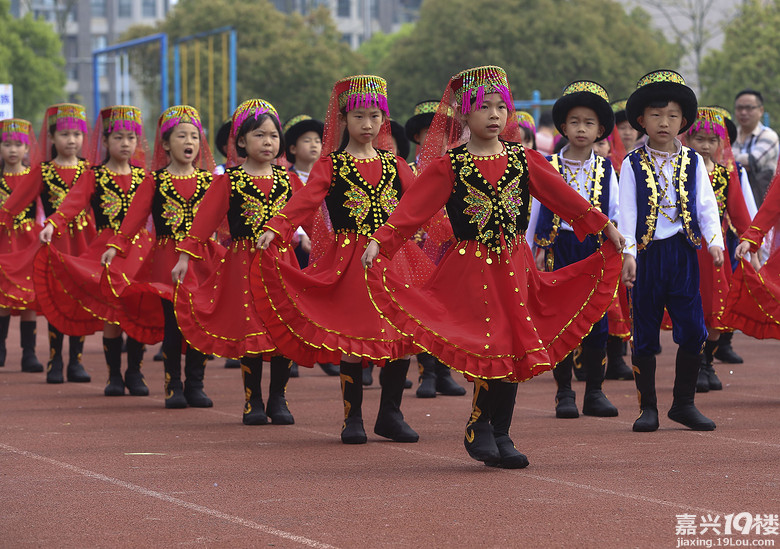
<point x="98" y="8"/>
<point x="149" y="8"/>
<point x="99" y="41"/>
<point x="125" y="8"/>
<point x="344" y="8"/>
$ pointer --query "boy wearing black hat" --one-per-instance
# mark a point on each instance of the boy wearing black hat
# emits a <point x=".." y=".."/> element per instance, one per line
<point x="583" y="116"/>
<point x="667" y="206"/>
<point x="416" y="127"/>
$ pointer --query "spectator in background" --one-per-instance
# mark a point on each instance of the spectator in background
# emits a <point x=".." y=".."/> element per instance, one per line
<point x="756" y="147"/>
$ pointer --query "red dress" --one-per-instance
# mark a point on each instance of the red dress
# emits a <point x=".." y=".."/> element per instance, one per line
<point x="51" y="183"/>
<point x="325" y="310"/>
<point x="68" y="286"/>
<point x="753" y="303"/>
<point x="714" y="281"/>
<point x="486" y="311"/>
<point x="219" y="316"/>
<point x="172" y="202"/>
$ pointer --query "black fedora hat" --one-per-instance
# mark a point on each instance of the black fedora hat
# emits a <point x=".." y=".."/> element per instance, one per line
<point x="421" y="119"/>
<point x="584" y="93"/>
<point x="296" y="127"/>
<point x="661" y="85"/>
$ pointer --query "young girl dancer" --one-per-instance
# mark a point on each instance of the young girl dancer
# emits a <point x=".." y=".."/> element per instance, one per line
<point x="708" y="137"/>
<point x="172" y="194"/>
<point x="17" y="146"/>
<point x="485" y="311"/>
<point x="326" y="307"/>
<point x="67" y="286"/>
<point x="249" y="194"/>
<point x="62" y="138"/>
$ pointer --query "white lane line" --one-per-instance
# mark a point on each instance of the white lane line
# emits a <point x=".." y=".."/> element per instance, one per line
<point x="170" y="499"/>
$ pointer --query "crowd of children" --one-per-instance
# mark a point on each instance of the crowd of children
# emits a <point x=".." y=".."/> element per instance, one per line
<point x="317" y="243"/>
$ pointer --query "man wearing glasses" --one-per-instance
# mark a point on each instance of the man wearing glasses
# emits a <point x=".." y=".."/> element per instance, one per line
<point x="756" y="147"/>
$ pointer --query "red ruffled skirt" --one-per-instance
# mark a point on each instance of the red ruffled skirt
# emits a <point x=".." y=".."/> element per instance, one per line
<point x="17" y="289"/>
<point x="325" y="310"/>
<point x="494" y="316"/>
<point x="753" y="302"/>
<point x="68" y="287"/>
<point x="714" y="285"/>
<point x="219" y="316"/>
<point x="138" y="296"/>
<point x="619" y="317"/>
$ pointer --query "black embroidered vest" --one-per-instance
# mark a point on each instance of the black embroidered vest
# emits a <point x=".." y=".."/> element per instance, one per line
<point x="109" y="201"/>
<point x="548" y="223"/>
<point x="55" y="190"/>
<point x="173" y="214"/>
<point x="250" y="209"/>
<point x="719" y="177"/>
<point x="26" y="218"/>
<point x="354" y="205"/>
<point x="477" y="210"/>
<point x="649" y="195"/>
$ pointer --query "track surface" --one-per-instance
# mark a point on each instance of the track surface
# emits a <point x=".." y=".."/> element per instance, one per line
<point x="78" y="469"/>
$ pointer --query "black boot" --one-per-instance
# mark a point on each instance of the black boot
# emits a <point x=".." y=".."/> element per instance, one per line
<point x="427" y="380"/>
<point x="134" y="379"/>
<point x="4" y="322"/>
<point x="502" y="408"/>
<point x="576" y="365"/>
<point x="725" y="352"/>
<point x="232" y="363"/>
<point x="644" y="376"/>
<point x="294" y="370"/>
<point x="55" y="365"/>
<point x="171" y="350"/>
<point x="159" y="356"/>
<point x="444" y="382"/>
<point x="713" y="382"/>
<point x="329" y="368"/>
<point x="277" y="403"/>
<point x="76" y="372"/>
<point x="480" y="442"/>
<point x="112" y="349"/>
<point x="616" y="364"/>
<point x="352" y="432"/>
<point x="30" y="362"/>
<point x="595" y="402"/>
<point x="702" y="380"/>
<point x="683" y="409"/>
<point x="565" y="405"/>
<point x="390" y="421"/>
<point x="252" y="373"/>
<point x="194" y="370"/>
<point x="367" y="375"/>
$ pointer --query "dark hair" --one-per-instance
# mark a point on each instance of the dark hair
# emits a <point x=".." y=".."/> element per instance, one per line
<point x="749" y="91"/>
<point x="562" y="142"/>
<point x="251" y="124"/>
<point x="657" y="104"/>
<point x="546" y="119"/>
<point x="528" y="134"/>
<point x="223" y="134"/>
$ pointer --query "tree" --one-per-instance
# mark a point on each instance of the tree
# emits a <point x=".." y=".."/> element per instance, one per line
<point x="749" y="58"/>
<point x="379" y="46"/>
<point x="290" y="60"/>
<point x="32" y="62"/>
<point x="545" y="45"/>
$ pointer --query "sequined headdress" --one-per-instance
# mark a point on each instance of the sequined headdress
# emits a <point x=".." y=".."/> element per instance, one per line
<point x="661" y="85"/>
<point x="253" y="108"/>
<point x="356" y="92"/>
<point x="16" y="129"/>
<point x="118" y="118"/>
<point x="526" y="120"/>
<point x="61" y="117"/>
<point x="169" y="119"/>
<point x="584" y="93"/>
<point x="710" y="120"/>
<point x="471" y="86"/>
<point x="447" y="130"/>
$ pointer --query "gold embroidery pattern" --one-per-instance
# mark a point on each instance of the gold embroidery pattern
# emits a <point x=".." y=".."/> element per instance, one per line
<point x="179" y="212"/>
<point x="652" y="218"/>
<point x="480" y="206"/>
<point x="259" y="209"/>
<point x="22" y="220"/>
<point x="58" y="190"/>
<point x="113" y="201"/>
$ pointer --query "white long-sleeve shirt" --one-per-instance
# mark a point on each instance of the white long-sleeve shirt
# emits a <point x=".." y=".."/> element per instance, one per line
<point x="706" y="204"/>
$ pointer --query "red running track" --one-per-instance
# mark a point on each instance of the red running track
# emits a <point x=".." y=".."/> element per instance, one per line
<point x="78" y="469"/>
